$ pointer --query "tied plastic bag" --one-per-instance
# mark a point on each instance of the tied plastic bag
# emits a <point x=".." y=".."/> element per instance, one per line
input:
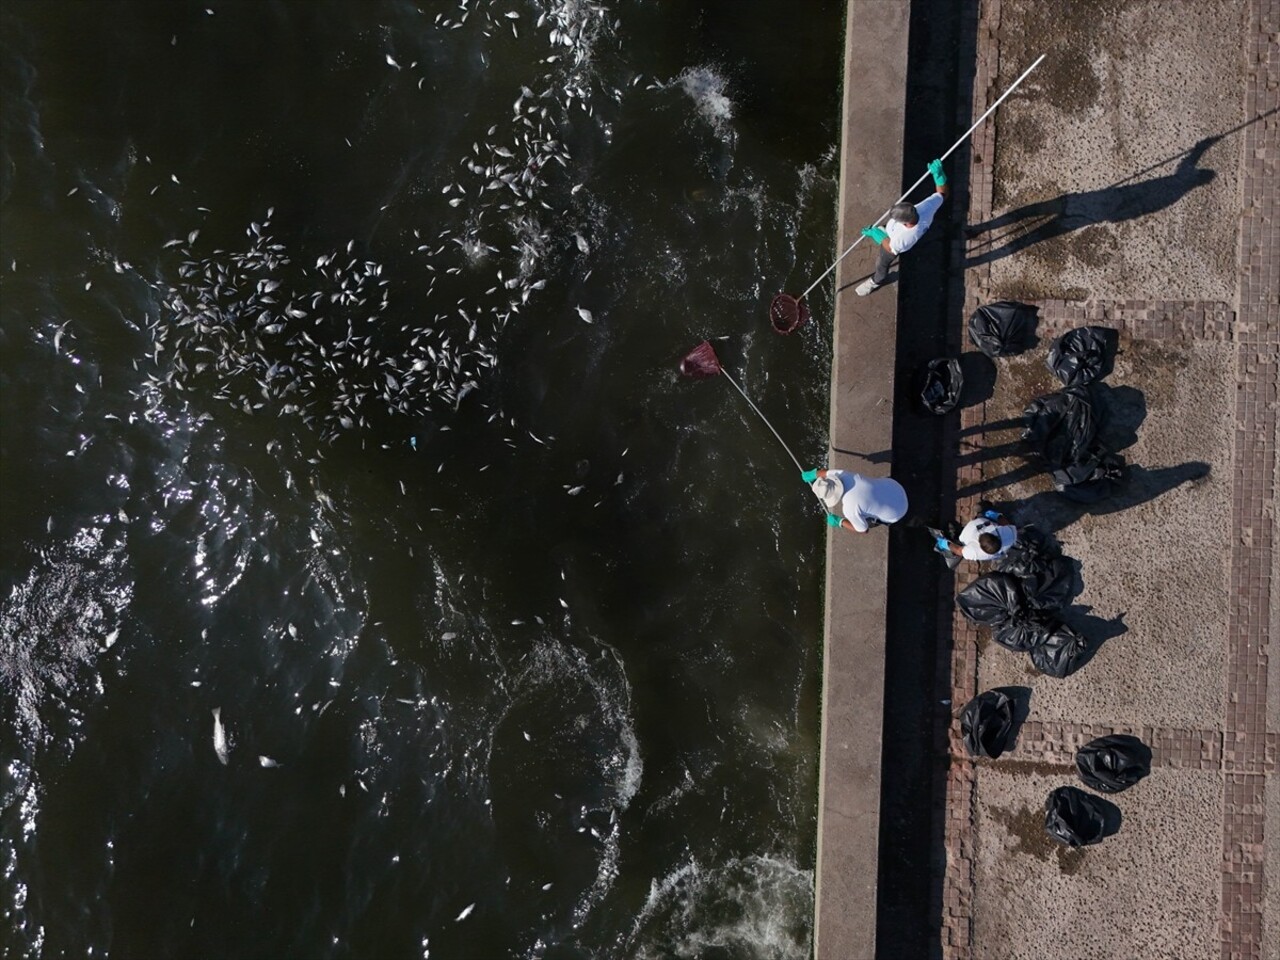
<point x="940" y="384"/>
<point x="1113" y="763"/>
<point x="1030" y="554"/>
<point x="1078" y="819"/>
<point x="1083" y="355"/>
<point x="1101" y="476"/>
<point x="1021" y="635"/>
<point x="1062" y="653"/>
<point x="1061" y="427"/>
<point x="986" y="724"/>
<point x="992" y="599"/>
<point x="1002" y="329"/>
<point x="1050" y="586"/>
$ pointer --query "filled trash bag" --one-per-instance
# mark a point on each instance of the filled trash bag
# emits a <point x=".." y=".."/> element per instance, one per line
<point x="1062" y="653"/>
<point x="1002" y="329"/>
<point x="992" y="599"/>
<point x="986" y="723"/>
<point x="1083" y="355"/>
<point x="1078" y="819"/>
<point x="1061" y="427"/>
<point x="940" y="385"/>
<point x="1099" y="477"/>
<point x="1029" y="554"/>
<point x="1113" y="763"/>
<point x="1050" y="586"/>
<point x="1021" y="635"/>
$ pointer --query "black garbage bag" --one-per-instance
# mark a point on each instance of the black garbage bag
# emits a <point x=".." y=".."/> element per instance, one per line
<point x="1097" y="478"/>
<point x="1113" y="763"/>
<point x="1002" y="329"/>
<point x="1021" y="635"/>
<point x="1030" y="554"/>
<point x="992" y="599"/>
<point x="940" y="385"/>
<point x="1078" y="819"/>
<point x="1050" y="586"/>
<point x="1061" y="427"/>
<point x="1062" y="653"/>
<point x="1083" y="355"/>
<point x="986" y="723"/>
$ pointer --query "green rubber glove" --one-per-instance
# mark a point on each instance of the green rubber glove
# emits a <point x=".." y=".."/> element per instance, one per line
<point x="875" y="234"/>
<point x="833" y="520"/>
<point x="808" y="476"/>
<point x="939" y="178"/>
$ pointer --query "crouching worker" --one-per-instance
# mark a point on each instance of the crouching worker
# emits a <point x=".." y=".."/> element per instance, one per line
<point x="907" y="223"/>
<point x="865" y="502"/>
<point x="986" y="537"/>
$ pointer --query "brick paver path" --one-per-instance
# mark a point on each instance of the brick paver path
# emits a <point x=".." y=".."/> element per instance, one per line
<point x="1243" y="750"/>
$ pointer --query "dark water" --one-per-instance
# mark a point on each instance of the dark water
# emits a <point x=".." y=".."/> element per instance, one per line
<point x="515" y="634"/>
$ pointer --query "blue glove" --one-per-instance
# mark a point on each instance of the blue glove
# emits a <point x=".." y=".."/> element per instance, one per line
<point x="939" y="178"/>
<point x="943" y="545"/>
<point x="874" y="234"/>
<point x="833" y="520"/>
<point x="992" y="515"/>
<point x="808" y="476"/>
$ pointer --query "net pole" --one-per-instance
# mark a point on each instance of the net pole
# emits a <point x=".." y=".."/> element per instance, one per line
<point x="954" y="146"/>
<point x="764" y="418"/>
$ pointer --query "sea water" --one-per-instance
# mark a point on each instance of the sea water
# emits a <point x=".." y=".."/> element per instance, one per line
<point x="340" y="395"/>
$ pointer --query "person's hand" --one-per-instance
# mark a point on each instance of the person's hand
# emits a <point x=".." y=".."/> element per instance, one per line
<point x="992" y="515"/>
<point x="943" y="544"/>
<point x="875" y="234"/>
<point x="833" y="520"/>
<point x="935" y="169"/>
<point x="808" y="476"/>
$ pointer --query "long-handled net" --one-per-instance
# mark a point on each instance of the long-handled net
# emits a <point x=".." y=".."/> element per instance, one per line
<point x="701" y="363"/>
<point x="787" y="305"/>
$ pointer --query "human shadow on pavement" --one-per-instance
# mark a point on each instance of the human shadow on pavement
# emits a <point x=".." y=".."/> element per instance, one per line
<point x="1034" y="223"/>
<point x="979" y="372"/>
<point x="1120" y="412"/>
<point x="1051" y="511"/>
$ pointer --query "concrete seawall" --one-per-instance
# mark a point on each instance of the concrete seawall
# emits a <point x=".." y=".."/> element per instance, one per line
<point x="862" y="393"/>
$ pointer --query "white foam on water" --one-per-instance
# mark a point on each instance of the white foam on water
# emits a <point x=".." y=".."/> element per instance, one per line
<point x="757" y="906"/>
<point x="53" y="629"/>
<point x="707" y="88"/>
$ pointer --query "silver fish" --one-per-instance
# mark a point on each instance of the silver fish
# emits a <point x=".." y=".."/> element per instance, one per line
<point x="219" y="736"/>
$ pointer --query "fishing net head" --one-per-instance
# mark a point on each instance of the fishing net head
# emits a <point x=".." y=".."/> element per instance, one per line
<point x="700" y="362"/>
<point x="786" y="313"/>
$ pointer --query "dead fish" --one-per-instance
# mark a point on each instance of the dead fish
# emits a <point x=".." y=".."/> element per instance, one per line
<point x="585" y="314"/>
<point x="267" y="762"/>
<point x="219" y="736"/>
<point x="464" y="914"/>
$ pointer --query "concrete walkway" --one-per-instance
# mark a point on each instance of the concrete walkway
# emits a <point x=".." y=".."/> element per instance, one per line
<point x="861" y="419"/>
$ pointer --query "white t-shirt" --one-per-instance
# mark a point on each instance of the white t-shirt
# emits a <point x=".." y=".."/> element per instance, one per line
<point x="975" y="528"/>
<point x="870" y="498"/>
<point x="902" y="237"/>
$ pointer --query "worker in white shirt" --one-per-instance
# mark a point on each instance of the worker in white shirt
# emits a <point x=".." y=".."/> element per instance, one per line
<point x="986" y="537"/>
<point x="865" y="501"/>
<point x="907" y="223"/>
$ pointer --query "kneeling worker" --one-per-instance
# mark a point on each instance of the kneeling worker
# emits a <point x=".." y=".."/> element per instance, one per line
<point x="986" y="537"/>
<point x="865" y="501"/>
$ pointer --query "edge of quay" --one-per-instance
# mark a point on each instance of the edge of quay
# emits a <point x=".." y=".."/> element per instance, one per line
<point x="862" y="383"/>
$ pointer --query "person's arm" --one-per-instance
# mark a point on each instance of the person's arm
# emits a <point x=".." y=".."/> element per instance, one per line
<point x="878" y="236"/>
<point x="939" y="178"/>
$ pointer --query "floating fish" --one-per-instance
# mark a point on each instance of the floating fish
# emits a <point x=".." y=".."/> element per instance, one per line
<point x="219" y="736"/>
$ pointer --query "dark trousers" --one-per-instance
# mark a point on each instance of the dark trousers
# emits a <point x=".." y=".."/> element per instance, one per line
<point x="883" y="259"/>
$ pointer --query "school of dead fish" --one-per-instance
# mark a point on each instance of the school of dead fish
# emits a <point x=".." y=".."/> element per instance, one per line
<point x="323" y="341"/>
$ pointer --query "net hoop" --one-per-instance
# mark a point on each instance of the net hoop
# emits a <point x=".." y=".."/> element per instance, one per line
<point x="786" y="313"/>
